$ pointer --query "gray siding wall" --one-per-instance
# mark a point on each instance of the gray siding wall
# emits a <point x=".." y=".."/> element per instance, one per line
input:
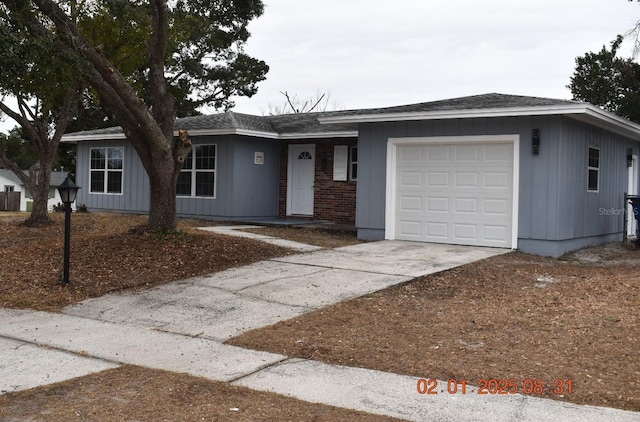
<point x="554" y="203"/>
<point x="243" y="189"/>
<point x="255" y="186"/>
<point x="580" y="212"/>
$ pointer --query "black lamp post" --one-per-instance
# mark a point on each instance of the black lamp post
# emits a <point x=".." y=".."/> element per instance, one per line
<point x="68" y="191"/>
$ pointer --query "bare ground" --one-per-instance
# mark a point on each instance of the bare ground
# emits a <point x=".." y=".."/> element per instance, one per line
<point x="514" y="316"/>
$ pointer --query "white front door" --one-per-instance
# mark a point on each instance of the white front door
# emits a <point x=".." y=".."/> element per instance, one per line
<point x="301" y="174"/>
<point x="632" y="189"/>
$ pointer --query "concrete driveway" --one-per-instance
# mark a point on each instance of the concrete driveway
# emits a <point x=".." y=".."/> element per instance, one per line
<point x="226" y="304"/>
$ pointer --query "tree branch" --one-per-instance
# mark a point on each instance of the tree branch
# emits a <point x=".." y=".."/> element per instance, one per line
<point x="163" y="103"/>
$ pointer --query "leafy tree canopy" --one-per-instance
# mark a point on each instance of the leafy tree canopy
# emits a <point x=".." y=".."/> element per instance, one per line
<point x="205" y="63"/>
<point x="145" y="60"/>
<point x="608" y="81"/>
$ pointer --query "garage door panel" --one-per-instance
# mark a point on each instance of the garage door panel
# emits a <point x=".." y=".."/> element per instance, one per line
<point x="463" y="231"/>
<point x="411" y="153"/>
<point x="496" y="233"/>
<point x="437" y="231"/>
<point x="411" y="178"/>
<point x="495" y="206"/>
<point x="437" y="179"/>
<point x="496" y="153"/>
<point x="465" y="205"/>
<point x="410" y="203"/>
<point x="497" y="180"/>
<point x="459" y="194"/>
<point x="437" y="204"/>
<point x="466" y="180"/>
<point x="467" y="153"/>
<point x="437" y="153"/>
<point x="411" y="229"/>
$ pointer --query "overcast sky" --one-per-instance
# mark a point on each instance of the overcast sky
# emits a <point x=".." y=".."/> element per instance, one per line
<point x="377" y="53"/>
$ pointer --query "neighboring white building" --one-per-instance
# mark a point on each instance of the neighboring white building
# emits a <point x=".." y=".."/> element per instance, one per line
<point x="9" y="182"/>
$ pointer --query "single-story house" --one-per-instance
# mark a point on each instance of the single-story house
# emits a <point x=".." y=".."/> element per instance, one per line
<point x="9" y="182"/>
<point x="541" y="175"/>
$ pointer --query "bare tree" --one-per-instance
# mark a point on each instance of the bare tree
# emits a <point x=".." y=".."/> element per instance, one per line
<point x="320" y="101"/>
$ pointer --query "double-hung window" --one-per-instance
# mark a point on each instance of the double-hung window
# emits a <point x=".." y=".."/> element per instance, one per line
<point x="198" y="175"/>
<point x="593" y="170"/>
<point x="106" y="170"/>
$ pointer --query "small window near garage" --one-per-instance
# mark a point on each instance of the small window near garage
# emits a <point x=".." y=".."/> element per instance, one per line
<point x="198" y="175"/>
<point x="594" y="170"/>
<point x="353" y="163"/>
<point x="107" y="167"/>
<point x="9" y="188"/>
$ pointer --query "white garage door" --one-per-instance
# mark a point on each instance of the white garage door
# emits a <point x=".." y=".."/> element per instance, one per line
<point x="458" y="193"/>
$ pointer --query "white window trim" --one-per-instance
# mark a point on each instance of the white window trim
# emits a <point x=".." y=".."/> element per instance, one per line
<point x="597" y="169"/>
<point x="106" y="171"/>
<point x="194" y="171"/>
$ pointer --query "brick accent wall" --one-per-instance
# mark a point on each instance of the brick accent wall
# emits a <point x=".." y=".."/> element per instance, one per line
<point x="334" y="201"/>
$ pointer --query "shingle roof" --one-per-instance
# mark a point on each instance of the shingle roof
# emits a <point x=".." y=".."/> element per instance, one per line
<point x="8" y="174"/>
<point x="474" y="102"/>
<point x="317" y="124"/>
<point x="286" y="124"/>
<point x="228" y="120"/>
<point x="304" y="123"/>
<point x="57" y="177"/>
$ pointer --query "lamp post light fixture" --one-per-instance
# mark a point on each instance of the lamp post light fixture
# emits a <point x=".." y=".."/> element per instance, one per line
<point x="68" y="191"/>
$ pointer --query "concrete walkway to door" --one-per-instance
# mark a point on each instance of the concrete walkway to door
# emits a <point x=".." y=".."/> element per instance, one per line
<point x="181" y="327"/>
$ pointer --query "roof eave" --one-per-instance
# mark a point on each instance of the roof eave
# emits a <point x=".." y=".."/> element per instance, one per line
<point x="72" y="139"/>
<point x="218" y="132"/>
<point x="583" y="112"/>
<point x="609" y="121"/>
<point x="319" y="135"/>
<point x="453" y="114"/>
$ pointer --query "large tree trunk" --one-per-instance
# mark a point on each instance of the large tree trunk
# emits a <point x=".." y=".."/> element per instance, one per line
<point x="163" y="165"/>
<point x="162" y="205"/>
<point x="37" y="183"/>
<point x="40" y="213"/>
<point x="40" y="193"/>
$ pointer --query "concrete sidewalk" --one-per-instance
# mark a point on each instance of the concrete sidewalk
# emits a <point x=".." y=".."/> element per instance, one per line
<point x="181" y="326"/>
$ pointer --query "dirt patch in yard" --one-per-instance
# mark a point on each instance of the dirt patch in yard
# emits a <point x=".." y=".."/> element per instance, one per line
<point x="572" y="323"/>
<point x="135" y="394"/>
